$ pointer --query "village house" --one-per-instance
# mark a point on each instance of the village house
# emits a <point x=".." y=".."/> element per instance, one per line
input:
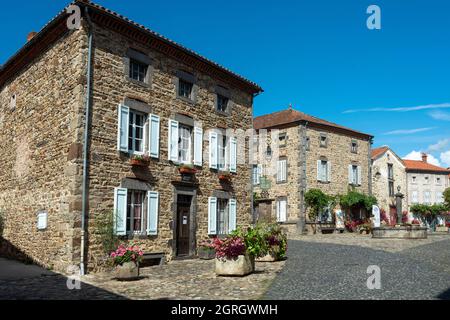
<point x="311" y="153"/>
<point x="96" y="121"/>
<point x="388" y="176"/>
<point x="426" y="182"/>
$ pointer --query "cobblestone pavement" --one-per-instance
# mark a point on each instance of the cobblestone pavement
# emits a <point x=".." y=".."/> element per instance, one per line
<point x="191" y="280"/>
<point x="335" y="267"/>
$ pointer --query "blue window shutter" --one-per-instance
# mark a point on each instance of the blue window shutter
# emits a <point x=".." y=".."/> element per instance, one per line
<point x="233" y="154"/>
<point x="122" y="132"/>
<point x="232" y="215"/>
<point x="212" y="216"/>
<point x="213" y="156"/>
<point x="120" y="211"/>
<point x="153" y="139"/>
<point x="173" y="141"/>
<point x="198" y="146"/>
<point x="152" y="213"/>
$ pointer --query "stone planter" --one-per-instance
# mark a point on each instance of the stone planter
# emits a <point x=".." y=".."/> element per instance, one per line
<point x="402" y="232"/>
<point x="127" y="272"/>
<point x="441" y="229"/>
<point x="272" y="256"/>
<point x="206" y="253"/>
<point x="240" y="267"/>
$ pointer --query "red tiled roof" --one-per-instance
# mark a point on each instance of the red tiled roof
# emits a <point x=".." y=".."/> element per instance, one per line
<point x="288" y="116"/>
<point x="378" y="151"/>
<point x="418" y="165"/>
<point x="23" y="56"/>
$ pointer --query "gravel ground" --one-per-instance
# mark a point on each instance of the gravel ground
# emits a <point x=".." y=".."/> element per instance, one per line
<point x="331" y="271"/>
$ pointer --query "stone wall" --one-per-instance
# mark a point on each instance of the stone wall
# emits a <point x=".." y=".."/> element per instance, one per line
<point x="108" y="166"/>
<point x="380" y="182"/>
<point x="40" y="140"/>
<point x="421" y="186"/>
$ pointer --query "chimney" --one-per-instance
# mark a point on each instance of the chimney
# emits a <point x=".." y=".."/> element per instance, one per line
<point x="31" y="35"/>
<point x="424" y="157"/>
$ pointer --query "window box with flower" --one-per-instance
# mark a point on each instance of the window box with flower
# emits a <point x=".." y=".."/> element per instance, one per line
<point x="126" y="261"/>
<point x="140" y="161"/>
<point x="225" y="177"/>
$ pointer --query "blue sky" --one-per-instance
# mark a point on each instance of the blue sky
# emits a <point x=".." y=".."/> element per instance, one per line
<point x="317" y="55"/>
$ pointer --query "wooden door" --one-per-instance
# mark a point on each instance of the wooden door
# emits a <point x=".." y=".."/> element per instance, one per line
<point x="183" y="225"/>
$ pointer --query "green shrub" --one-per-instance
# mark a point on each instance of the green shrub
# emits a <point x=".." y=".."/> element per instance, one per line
<point x="104" y="229"/>
<point x="356" y="199"/>
<point x="316" y="200"/>
<point x="447" y="198"/>
<point x="254" y="239"/>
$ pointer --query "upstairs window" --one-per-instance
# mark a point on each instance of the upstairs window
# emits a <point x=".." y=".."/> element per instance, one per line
<point x="390" y="172"/>
<point x="282" y="170"/>
<point x="138" y="70"/>
<point x="354" y="175"/>
<point x="323" y="140"/>
<point x="354" y="146"/>
<point x="282" y="138"/>
<point x="438" y="181"/>
<point x="184" y="144"/>
<point x="414" y="179"/>
<point x="136" y="132"/>
<point x="391" y="189"/>
<point x="185" y="89"/>
<point x="427" y="180"/>
<point x="222" y="103"/>
<point x="307" y="143"/>
<point x="323" y="171"/>
<point x="223" y="152"/>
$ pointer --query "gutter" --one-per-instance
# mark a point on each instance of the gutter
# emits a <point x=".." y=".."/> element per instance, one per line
<point x="85" y="185"/>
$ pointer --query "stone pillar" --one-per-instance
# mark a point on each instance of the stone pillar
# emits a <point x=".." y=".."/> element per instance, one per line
<point x="398" y="200"/>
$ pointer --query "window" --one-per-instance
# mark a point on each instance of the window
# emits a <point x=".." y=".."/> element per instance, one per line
<point x="438" y="181"/>
<point x="439" y="197"/>
<point x="413" y="179"/>
<point x="138" y="70"/>
<point x="257" y="172"/>
<point x="185" y="89"/>
<point x="282" y="170"/>
<point x="415" y="197"/>
<point x="184" y="144"/>
<point x="427" y="180"/>
<point x="282" y="137"/>
<point x="12" y="102"/>
<point x="308" y="143"/>
<point x="281" y="209"/>
<point x="354" y="146"/>
<point x="354" y="175"/>
<point x="427" y="197"/>
<point x="136" y="132"/>
<point x="390" y="172"/>
<point x="223" y="152"/>
<point x="391" y="189"/>
<point x="135" y="211"/>
<point x="42" y="220"/>
<point x="323" y="171"/>
<point x="222" y="103"/>
<point x="323" y="140"/>
<point x="221" y="216"/>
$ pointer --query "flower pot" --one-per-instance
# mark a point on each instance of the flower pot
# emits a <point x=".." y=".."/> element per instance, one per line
<point x="138" y="163"/>
<point x="205" y="253"/>
<point x="127" y="271"/>
<point x="271" y="256"/>
<point x="224" y="178"/>
<point x="187" y="171"/>
<point x="441" y="229"/>
<point x="240" y="266"/>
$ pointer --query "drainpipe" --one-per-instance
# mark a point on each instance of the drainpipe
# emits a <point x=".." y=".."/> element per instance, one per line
<point x="252" y="207"/>
<point x="85" y="148"/>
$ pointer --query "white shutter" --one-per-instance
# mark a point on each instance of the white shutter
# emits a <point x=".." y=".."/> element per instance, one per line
<point x="233" y="154"/>
<point x="212" y="216"/>
<point x="152" y="213"/>
<point x="120" y="211"/>
<point x="122" y="130"/>
<point x="153" y="130"/>
<point x="329" y="171"/>
<point x="198" y="146"/>
<point x="359" y="176"/>
<point x="350" y="174"/>
<point x="259" y="174"/>
<point x="281" y="210"/>
<point x="283" y="170"/>
<point x="232" y="215"/>
<point x="213" y="150"/>
<point x="319" y="170"/>
<point x="173" y="141"/>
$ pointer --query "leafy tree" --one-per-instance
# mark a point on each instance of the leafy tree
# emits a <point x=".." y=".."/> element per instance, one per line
<point x="447" y="197"/>
<point x="104" y="230"/>
<point x="316" y="200"/>
<point x="356" y="199"/>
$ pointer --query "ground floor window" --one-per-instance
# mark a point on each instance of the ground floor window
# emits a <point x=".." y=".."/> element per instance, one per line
<point x="281" y="210"/>
<point x="223" y="217"/>
<point x="135" y="211"/>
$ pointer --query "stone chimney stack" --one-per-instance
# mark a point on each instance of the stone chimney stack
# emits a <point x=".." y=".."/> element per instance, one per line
<point x="31" y="35"/>
<point x="424" y="157"/>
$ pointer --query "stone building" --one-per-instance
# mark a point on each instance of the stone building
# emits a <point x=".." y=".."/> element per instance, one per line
<point x="426" y="182"/>
<point x="308" y="153"/>
<point x="144" y="96"/>
<point x="388" y="174"/>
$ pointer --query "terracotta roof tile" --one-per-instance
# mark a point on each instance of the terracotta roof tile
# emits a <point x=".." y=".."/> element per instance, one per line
<point x="283" y="117"/>
<point x="418" y="165"/>
<point x="376" y="152"/>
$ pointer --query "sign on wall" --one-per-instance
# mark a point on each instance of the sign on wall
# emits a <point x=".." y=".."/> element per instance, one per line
<point x="377" y="217"/>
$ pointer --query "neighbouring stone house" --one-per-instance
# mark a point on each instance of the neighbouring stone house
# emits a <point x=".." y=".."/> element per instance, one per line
<point x="306" y="153"/>
<point x="426" y="182"/>
<point x="388" y="174"/>
<point x="148" y="96"/>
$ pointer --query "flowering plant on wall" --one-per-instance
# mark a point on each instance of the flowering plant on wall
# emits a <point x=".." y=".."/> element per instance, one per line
<point x="139" y="160"/>
<point x="125" y="254"/>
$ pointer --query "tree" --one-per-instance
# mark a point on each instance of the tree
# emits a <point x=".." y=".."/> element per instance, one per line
<point x="356" y="199"/>
<point x="316" y="201"/>
<point x="447" y="197"/>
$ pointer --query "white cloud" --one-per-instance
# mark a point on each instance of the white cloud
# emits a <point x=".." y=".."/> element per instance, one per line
<point x="445" y="158"/>
<point x="402" y="109"/>
<point x="439" y="146"/>
<point x="408" y="131"/>
<point x="417" y="155"/>
<point x="440" y="115"/>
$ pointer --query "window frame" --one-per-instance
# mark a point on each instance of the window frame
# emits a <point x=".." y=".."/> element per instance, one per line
<point x="278" y="207"/>
<point x="355" y="177"/>
<point x="130" y="210"/>
<point x="132" y="121"/>
<point x="222" y="98"/>
<point x="139" y="65"/>
<point x="284" y="144"/>
<point x="354" y="146"/>
<point x="223" y="152"/>
<point x="190" y="159"/>
<point x="280" y="174"/>
<point x="226" y="212"/>
<point x="142" y="59"/>
<point x="323" y="143"/>
<point x="324" y="170"/>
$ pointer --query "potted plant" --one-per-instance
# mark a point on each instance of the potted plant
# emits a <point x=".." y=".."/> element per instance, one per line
<point x="276" y="241"/>
<point x="126" y="261"/>
<point x="232" y="257"/>
<point x="206" y="250"/>
<point x="187" y="172"/>
<point x="140" y="160"/>
<point x="225" y="176"/>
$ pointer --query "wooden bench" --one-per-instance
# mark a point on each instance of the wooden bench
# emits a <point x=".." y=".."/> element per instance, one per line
<point x="153" y="259"/>
<point x="326" y="227"/>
